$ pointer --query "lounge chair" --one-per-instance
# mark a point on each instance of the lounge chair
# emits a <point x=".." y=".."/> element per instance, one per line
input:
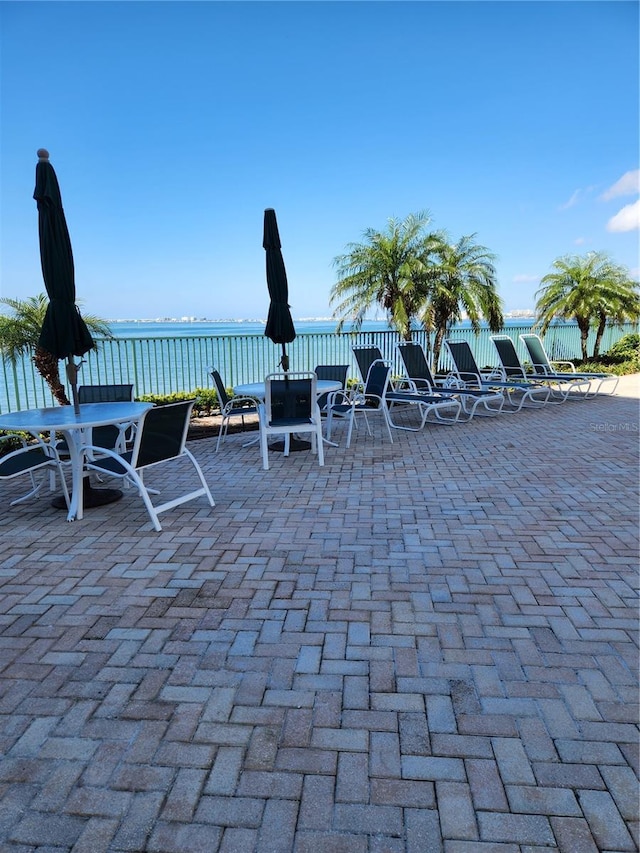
<point x="365" y="357"/>
<point x="30" y="457"/>
<point x="368" y="402"/>
<point x="446" y="408"/>
<point x="421" y="380"/>
<point x="562" y="385"/>
<point x="160" y="438"/>
<point x="543" y="366"/>
<point x="290" y="406"/>
<point x="230" y="407"/>
<point x="399" y="395"/>
<point x="517" y="395"/>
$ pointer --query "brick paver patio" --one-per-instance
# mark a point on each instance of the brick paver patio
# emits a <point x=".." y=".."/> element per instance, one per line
<point x="423" y="646"/>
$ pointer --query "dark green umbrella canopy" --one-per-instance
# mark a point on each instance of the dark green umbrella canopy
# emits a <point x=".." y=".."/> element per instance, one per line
<point x="64" y="332"/>
<point x="279" y="326"/>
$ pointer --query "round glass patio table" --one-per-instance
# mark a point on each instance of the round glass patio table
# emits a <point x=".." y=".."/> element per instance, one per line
<point x="258" y="389"/>
<point x="76" y="429"/>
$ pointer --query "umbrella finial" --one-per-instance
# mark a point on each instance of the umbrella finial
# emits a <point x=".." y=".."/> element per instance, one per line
<point x="43" y="154"/>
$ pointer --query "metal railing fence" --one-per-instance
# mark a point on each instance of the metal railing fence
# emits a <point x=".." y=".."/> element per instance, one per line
<point x="166" y="365"/>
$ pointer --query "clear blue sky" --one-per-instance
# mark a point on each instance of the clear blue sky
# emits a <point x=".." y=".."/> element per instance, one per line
<point x="173" y="125"/>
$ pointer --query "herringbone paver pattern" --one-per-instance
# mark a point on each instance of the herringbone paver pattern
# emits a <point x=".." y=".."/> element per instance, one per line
<point x="424" y="646"/>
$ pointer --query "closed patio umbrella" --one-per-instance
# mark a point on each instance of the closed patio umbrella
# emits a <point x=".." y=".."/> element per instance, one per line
<point x="279" y="326"/>
<point x="279" y="323"/>
<point x="64" y="333"/>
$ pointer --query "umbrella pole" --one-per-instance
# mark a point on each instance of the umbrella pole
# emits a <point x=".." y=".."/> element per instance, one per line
<point x="72" y="376"/>
<point x="284" y="361"/>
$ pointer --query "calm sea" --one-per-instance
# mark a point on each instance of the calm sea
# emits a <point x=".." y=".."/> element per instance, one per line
<point x="204" y="328"/>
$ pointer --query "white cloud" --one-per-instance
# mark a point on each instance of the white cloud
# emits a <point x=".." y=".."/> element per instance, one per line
<point x="579" y="241"/>
<point x="525" y="279"/>
<point x="573" y="200"/>
<point x="629" y="184"/>
<point x="627" y="219"/>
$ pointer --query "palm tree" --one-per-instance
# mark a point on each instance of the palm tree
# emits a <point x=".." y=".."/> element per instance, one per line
<point x="462" y="278"/>
<point x="20" y="331"/>
<point x="388" y="269"/>
<point x="588" y="288"/>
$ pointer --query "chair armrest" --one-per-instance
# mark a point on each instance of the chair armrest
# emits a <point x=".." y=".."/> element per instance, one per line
<point x="494" y="373"/>
<point x="13" y="436"/>
<point x="339" y="398"/>
<point x="421" y="386"/>
<point x="466" y="378"/>
<point x="239" y="403"/>
<point x="569" y="364"/>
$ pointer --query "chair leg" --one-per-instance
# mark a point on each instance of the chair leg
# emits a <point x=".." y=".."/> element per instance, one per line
<point x="351" y="420"/>
<point x="385" y="415"/>
<point x="264" y="448"/>
<point x="220" y="435"/>
<point x="317" y="436"/>
<point x="204" y="483"/>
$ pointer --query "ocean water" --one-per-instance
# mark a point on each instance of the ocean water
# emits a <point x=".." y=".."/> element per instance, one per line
<point x="214" y="328"/>
<point x="163" y="357"/>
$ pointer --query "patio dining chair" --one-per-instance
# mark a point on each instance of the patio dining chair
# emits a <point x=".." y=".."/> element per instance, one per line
<point x="562" y="385"/>
<point x="26" y="460"/>
<point x="421" y="379"/>
<point x="290" y="407"/>
<point x="333" y="373"/>
<point x="517" y="395"/>
<point x="160" y="439"/>
<point x="544" y="366"/>
<point x="114" y="437"/>
<point x="370" y="401"/>
<point x="230" y="407"/>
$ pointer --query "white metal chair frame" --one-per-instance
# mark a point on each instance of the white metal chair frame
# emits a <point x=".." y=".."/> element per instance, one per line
<point x="371" y="400"/>
<point x="544" y="366"/>
<point x="297" y="393"/>
<point x="30" y="457"/>
<point x="470" y="399"/>
<point x="562" y="386"/>
<point x="517" y="395"/>
<point x="231" y="407"/>
<point x="132" y="464"/>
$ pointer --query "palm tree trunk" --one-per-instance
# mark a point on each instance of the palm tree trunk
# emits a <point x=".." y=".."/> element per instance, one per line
<point x="437" y="346"/>
<point x="47" y="367"/>
<point x="602" y="325"/>
<point x="583" y="325"/>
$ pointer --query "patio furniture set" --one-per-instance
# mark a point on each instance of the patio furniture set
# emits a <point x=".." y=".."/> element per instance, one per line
<point x="114" y="436"/>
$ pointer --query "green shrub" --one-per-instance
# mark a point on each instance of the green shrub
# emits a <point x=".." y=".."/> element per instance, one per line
<point x="620" y="368"/>
<point x="206" y="400"/>
<point x="626" y="349"/>
<point x="621" y="359"/>
<point x="13" y="443"/>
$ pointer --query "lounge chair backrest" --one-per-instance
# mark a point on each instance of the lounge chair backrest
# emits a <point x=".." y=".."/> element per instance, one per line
<point x="537" y="353"/>
<point x="463" y="358"/>
<point x="508" y="356"/>
<point x="163" y="434"/>
<point x="221" y="391"/>
<point x="415" y="362"/>
<point x="365" y="356"/>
